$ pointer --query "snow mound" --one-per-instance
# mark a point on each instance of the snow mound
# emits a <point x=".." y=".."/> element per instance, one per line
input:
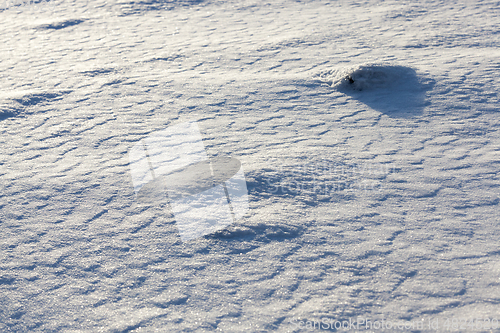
<point x="397" y="91"/>
<point x="367" y="77"/>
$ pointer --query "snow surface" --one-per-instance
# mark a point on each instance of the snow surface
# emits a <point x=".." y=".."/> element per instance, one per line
<point x="376" y="199"/>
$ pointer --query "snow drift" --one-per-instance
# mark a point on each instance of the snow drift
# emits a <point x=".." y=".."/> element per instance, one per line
<point x="391" y="89"/>
<point x="369" y="77"/>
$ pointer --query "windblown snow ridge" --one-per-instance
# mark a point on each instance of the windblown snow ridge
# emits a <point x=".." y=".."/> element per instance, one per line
<point x="129" y="7"/>
<point x="60" y="24"/>
<point x="15" y="103"/>
<point x="30" y="98"/>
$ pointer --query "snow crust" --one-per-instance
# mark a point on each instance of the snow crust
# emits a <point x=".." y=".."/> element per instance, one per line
<point x="373" y="199"/>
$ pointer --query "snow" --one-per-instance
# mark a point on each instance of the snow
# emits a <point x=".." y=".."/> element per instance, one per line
<point x="392" y="89"/>
<point x="372" y="199"/>
<point x="371" y="77"/>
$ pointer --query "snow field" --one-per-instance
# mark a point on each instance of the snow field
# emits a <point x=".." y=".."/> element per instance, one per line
<point x="83" y="84"/>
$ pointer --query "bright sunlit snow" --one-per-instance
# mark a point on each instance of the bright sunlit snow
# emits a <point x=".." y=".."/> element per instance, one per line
<point x="368" y="136"/>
